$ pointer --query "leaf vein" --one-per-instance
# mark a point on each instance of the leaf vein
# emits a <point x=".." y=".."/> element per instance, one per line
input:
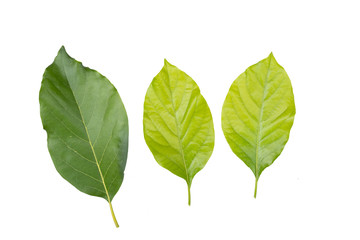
<point x="76" y="152"/>
<point x="66" y="126"/>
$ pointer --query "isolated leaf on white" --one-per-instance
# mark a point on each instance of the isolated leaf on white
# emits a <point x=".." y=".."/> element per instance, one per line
<point x="87" y="127"/>
<point x="178" y="126"/>
<point x="258" y="114"/>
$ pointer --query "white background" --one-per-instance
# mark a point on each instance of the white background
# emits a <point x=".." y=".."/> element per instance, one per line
<point x="310" y="192"/>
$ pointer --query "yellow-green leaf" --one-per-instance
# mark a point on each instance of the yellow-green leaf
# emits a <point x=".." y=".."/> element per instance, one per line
<point x="87" y="127"/>
<point x="258" y="114"/>
<point x="178" y="126"/>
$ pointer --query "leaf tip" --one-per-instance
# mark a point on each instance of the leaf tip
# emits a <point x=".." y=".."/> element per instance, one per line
<point x="62" y="49"/>
<point x="272" y="58"/>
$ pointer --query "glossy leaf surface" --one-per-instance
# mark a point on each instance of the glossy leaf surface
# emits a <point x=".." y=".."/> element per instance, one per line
<point x="178" y="126"/>
<point x="258" y="114"/>
<point x="87" y="127"/>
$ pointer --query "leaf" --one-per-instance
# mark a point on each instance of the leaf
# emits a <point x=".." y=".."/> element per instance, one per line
<point x="178" y="126"/>
<point x="87" y="127"/>
<point x="258" y="113"/>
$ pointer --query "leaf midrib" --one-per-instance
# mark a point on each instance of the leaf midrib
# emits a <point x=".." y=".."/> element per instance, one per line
<point x="177" y="131"/>
<point x="87" y="134"/>
<point x="259" y="128"/>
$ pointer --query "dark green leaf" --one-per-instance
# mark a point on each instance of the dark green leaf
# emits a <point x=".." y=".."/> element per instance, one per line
<point x="87" y="127"/>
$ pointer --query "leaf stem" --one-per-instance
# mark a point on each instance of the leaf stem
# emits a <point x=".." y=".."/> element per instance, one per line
<point x="113" y="215"/>
<point x="189" y="195"/>
<point x="256" y="181"/>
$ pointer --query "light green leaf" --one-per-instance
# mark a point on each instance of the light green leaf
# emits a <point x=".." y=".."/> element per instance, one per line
<point x="258" y="114"/>
<point x="87" y="127"/>
<point x="178" y="125"/>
